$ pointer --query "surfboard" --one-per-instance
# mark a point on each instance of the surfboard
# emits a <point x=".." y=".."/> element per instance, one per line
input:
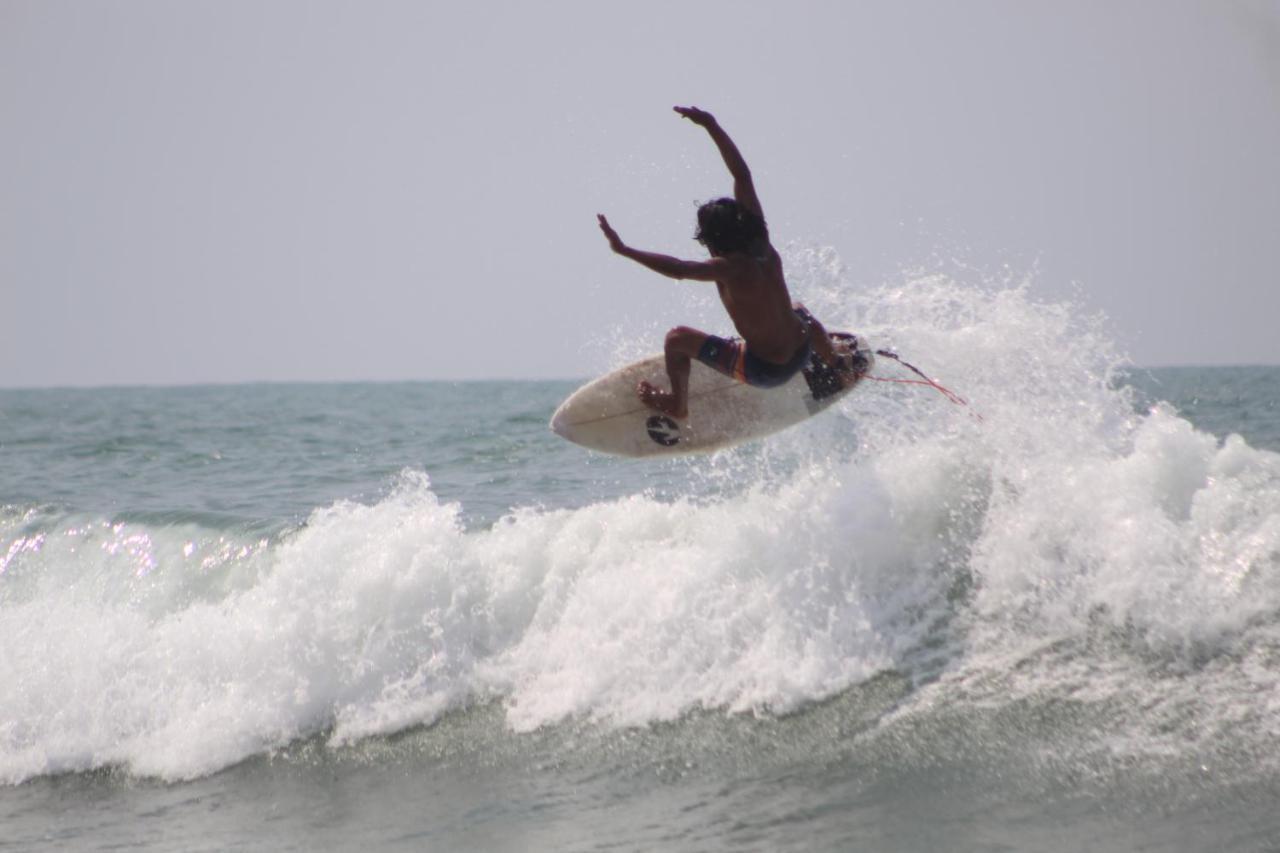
<point x="606" y="415"/>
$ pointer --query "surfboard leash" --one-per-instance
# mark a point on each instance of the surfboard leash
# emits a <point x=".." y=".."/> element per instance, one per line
<point x="923" y="380"/>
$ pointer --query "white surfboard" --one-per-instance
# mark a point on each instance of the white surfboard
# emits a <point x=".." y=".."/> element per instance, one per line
<point x="606" y="414"/>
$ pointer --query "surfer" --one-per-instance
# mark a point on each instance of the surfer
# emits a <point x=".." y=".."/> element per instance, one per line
<point x="777" y="336"/>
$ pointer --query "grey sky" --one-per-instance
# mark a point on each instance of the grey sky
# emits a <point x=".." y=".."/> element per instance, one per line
<point x="226" y="191"/>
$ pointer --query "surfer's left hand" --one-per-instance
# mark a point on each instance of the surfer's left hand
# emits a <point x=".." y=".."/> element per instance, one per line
<point x="615" y="242"/>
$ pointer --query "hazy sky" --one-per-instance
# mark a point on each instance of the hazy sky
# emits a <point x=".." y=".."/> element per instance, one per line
<point x="224" y="191"/>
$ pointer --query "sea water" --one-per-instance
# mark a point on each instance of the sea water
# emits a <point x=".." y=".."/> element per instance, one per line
<point x="408" y="616"/>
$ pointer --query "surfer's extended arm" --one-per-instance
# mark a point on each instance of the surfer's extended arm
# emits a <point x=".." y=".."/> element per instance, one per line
<point x="664" y="264"/>
<point x="744" y="189"/>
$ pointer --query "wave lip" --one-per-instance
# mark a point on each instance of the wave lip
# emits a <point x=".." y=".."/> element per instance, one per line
<point x="373" y="618"/>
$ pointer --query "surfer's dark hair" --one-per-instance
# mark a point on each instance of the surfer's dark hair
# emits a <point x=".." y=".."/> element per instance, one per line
<point x="725" y="226"/>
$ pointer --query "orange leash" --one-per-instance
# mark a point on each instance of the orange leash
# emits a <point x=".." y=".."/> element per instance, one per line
<point x="923" y="380"/>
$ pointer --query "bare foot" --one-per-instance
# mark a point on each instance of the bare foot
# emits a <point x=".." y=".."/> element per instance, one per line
<point x="664" y="401"/>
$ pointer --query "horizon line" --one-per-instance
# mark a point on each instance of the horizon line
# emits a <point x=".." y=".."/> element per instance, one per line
<point x="215" y="383"/>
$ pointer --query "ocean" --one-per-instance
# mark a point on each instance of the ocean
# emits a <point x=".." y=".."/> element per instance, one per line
<point x="407" y="616"/>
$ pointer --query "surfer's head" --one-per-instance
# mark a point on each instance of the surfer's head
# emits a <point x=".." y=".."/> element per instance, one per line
<point x="724" y="226"/>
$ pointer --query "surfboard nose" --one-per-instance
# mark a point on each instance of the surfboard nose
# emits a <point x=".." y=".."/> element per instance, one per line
<point x="559" y="422"/>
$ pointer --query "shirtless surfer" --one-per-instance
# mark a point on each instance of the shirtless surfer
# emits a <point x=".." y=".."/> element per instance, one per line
<point x="777" y="336"/>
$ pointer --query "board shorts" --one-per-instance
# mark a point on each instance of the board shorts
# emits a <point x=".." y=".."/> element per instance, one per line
<point x="731" y="357"/>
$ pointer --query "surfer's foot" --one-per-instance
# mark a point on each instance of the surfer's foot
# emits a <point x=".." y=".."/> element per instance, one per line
<point x="664" y="401"/>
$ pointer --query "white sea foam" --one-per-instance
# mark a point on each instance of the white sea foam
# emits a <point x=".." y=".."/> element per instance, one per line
<point x="176" y="651"/>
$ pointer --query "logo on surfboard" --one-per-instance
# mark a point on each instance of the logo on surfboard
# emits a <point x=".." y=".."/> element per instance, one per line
<point x="663" y="430"/>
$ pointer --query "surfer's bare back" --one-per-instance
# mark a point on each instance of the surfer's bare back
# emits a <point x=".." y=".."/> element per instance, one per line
<point x="777" y="336"/>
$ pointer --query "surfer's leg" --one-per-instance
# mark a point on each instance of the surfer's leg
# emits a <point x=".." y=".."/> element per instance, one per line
<point x="681" y="346"/>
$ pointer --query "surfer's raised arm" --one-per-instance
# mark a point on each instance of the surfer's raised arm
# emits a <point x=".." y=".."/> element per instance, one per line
<point x="671" y="267"/>
<point x="744" y="190"/>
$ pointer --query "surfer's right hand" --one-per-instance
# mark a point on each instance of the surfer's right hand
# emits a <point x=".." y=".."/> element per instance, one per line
<point x="702" y="118"/>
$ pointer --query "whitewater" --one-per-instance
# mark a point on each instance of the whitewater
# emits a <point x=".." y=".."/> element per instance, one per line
<point x="1049" y="621"/>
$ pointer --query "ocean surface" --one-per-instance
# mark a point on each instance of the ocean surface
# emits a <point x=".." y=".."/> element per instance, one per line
<point x="407" y="616"/>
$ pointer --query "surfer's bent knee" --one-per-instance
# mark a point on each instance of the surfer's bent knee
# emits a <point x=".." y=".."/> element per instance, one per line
<point x="685" y="339"/>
